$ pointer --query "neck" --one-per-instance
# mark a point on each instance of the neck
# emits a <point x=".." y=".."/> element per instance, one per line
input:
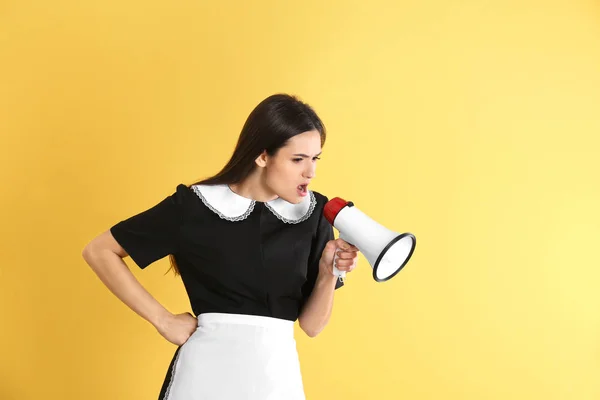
<point x="254" y="187"/>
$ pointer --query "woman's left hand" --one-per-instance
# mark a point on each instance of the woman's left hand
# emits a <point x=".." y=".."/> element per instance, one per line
<point x="347" y="257"/>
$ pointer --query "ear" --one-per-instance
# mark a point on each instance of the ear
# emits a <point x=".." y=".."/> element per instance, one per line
<point x="261" y="160"/>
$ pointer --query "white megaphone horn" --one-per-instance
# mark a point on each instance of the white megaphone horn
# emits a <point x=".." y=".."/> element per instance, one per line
<point x="386" y="251"/>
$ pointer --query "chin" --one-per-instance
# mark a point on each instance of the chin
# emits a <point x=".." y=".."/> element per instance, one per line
<point x="294" y="198"/>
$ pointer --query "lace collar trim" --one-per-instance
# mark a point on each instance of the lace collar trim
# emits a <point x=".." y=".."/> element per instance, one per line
<point x="232" y="207"/>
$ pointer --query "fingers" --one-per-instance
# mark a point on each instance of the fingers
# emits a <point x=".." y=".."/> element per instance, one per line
<point x="342" y="244"/>
<point x="344" y="264"/>
<point x="346" y="269"/>
<point x="346" y="255"/>
<point x="346" y="261"/>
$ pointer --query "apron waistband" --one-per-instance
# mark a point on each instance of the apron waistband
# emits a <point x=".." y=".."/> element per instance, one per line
<point x="245" y="319"/>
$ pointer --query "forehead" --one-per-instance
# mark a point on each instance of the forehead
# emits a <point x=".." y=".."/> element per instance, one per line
<point x="308" y="143"/>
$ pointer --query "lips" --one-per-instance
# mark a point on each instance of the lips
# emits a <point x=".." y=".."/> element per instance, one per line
<point x="302" y="189"/>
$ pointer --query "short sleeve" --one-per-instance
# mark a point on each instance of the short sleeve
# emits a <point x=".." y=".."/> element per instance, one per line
<point x="153" y="233"/>
<point x="324" y="235"/>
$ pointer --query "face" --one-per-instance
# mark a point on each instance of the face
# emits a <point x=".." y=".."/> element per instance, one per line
<point x="289" y="172"/>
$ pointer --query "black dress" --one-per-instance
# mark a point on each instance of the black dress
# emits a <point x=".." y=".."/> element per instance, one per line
<point x="236" y="256"/>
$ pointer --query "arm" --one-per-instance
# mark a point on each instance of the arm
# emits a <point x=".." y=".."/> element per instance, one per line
<point x="105" y="256"/>
<point x="316" y="312"/>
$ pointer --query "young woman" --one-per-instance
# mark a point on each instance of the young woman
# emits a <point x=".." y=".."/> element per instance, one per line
<point x="255" y="254"/>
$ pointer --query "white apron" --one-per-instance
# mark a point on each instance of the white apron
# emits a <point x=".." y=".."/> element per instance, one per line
<point x="233" y="357"/>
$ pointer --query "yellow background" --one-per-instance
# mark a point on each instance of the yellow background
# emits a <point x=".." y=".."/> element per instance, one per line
<point x="472" y="124"/>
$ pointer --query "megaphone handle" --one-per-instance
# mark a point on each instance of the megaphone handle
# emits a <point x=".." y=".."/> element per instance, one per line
<point x="337" y="272"/>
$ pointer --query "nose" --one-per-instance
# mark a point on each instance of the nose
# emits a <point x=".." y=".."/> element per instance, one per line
<point x="310" y="171"/>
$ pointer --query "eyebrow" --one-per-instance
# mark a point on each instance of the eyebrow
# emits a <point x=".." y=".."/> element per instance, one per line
<point x="306" y="156"/>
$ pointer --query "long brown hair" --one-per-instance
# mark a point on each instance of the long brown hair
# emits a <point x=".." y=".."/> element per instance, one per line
<point x="273" y="122"/>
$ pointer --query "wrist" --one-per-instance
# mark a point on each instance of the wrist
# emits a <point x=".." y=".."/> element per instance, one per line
<point x="161" y="318"/>
<point x="326" y="277"/>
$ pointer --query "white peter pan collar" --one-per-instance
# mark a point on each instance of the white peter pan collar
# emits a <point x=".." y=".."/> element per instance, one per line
<point x="231" y="206"/>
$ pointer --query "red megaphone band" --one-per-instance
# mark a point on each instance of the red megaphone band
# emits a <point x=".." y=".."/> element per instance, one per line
<point x="333" y="207"/>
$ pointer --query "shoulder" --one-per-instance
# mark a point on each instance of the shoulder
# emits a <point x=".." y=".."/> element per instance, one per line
<point x="182" y="190"/>
<point x="183" y="197"/>
<point x="182" y="194"/>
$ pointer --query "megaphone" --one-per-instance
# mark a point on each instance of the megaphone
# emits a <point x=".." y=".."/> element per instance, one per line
<point x="386" y="251"/>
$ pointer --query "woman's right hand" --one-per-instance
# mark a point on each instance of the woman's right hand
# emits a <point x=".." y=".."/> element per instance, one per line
<point x="177" y="328"/>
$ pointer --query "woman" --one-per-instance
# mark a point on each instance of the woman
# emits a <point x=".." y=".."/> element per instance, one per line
<point x="254" y="253"/>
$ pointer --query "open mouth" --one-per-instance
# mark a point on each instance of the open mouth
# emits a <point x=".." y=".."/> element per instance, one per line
<point x="302" y="190"/>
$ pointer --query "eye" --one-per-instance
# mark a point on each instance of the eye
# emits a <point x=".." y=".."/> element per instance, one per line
<point x="316" y="158"/>
<point x="297" y="160"/>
